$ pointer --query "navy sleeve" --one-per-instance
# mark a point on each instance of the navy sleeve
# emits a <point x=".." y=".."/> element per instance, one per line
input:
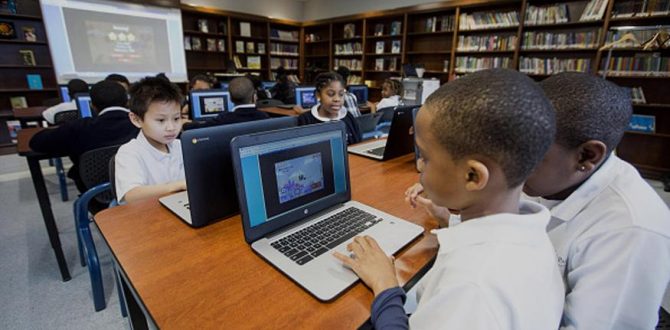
<point x="387" y="310"/>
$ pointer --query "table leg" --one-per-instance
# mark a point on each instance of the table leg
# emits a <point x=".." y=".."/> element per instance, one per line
<point x="47" y="214"/>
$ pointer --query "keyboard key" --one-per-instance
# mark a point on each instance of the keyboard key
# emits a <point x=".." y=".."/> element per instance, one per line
<point x="304" y="260"/>
<point x="298" y="255"/>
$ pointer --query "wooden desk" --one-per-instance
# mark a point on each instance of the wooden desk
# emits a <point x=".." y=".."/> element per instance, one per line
<point x="33" y="158"/>
<point x="275" y="111"/>
<point x="25" y="115"/>
<point x="210" y="277"/>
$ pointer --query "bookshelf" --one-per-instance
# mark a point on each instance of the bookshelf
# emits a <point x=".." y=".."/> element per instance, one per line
<point x="383" y="50"/>
<point x="206" y="42"/>
<point x="249" y="45"/>
<point x="349" y="45"/>
<point x="317" y="51"/>
<point x="430" y="41"/>
<point x="284" y="48"/>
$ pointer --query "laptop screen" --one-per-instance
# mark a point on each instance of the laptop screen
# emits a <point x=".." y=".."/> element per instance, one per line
<point x="361" y="92"/>
<point x="305" y="97"/>
<point x="83" y="102"/>
<point x="287" y="175"/>
<point x="267" y="85"/>
<point x="64" y="93"/>
<point x="209" y="103"/>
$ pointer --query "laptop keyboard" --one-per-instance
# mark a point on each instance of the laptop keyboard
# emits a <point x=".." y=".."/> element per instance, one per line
<point x="317" y="239"/>
<point x="377" y="151"/>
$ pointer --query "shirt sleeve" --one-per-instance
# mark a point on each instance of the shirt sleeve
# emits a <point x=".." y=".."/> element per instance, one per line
<point x="387" y="310"/>
<point x="50" y="114"/>
<point x="128" y="172"/>
<point x="385" y="103"/>
<point x="616" y="280"/>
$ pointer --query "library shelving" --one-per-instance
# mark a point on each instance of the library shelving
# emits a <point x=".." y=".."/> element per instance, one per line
<point x="317" y="50"/>
<point x="206" y="42"/>
<point x="284" y="51"/>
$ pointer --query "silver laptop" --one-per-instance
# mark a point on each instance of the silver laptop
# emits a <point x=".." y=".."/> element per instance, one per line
<point x="295" y="201"/>
<point x="400" y="140"/>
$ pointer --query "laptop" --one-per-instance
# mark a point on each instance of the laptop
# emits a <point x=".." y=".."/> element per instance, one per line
<point x="267" y="85"/>
<point x="361" y="92"/>
<point x="64" y="93"/>
<point x="83" y="102"/>
<point x="305" y="97"/>
<point x="209" y="103"/>
<point x="211" y="191"/>
<point x="295" y="201"/>
<point x="400" y="140"/>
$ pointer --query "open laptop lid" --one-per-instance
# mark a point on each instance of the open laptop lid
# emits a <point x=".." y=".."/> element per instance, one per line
<point x="83" y="102"/>
<point x="209" y="103"/>
<point x="288" y="175"/>
<point x="208" y="167"/>
<point x="400" y="139"/>
<point x="361" y="92"/>
<point x="305" y="97"/>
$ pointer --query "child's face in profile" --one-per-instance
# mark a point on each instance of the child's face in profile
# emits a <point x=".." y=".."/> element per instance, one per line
<point x="161" y="123"/>
<point x="387" y="91"/>
<point x="443" y="178"/>
<point x="331" y="98"/>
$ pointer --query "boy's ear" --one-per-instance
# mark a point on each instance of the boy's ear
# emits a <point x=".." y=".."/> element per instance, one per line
<point x="476" y="176"/>
<point x="135" y="119"/>
<point x="591" y="154"/>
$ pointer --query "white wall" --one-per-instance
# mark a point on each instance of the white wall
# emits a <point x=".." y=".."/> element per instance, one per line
<point x="320" y="9"/>
<point x="287" y="9"/>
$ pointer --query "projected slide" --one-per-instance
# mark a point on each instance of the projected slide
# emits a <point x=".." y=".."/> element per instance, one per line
<point x="299" y="176"/>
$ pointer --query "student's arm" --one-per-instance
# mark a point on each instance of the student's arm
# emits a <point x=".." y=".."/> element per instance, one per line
<point x="142" y="192"/>
<point x="387" y="310"/>
<point x="57" y="141"/>
<point x="616" y="280"/>
<point x="414" y="198"/>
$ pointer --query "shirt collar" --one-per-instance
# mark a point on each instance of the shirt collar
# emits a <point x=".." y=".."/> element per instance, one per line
<point x="155" y="153"/>
<point x="591" y="188"/>
<point x="109" y="109"/>
<point x="527" y="228"/>
<point x="243" y="106"/>
<point x="340" y="115"/>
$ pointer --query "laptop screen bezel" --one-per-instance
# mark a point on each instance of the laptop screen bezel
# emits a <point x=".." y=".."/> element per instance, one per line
<point x="77" y="101"/>
<point x="364" y="88"/>
<point x="305" y="89"/>
<point x="196" y="95"/>
<point x="252" y="234"/>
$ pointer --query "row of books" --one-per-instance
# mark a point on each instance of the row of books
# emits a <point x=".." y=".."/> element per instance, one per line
<point x="396" y="28"/>
<point x="640" y="8"/>
<point x="443" y="23"/>
<point x="534" y="65"/>
<point x="488" y="20"/>
<point x="384" y="64"/>
<point x="551" y="14"/>
<point x="350" y="48"/>
<point x="251" y="62"/>
<point x="641" y="34"/>
<point x="380" y="47"/>
<point x="250" y="47"/>
<point x="283" y="49"/>
<point x="486" y="43"/>
<point x="465" y="64"/>
<point x="352" y="64"/>
<point x="213" y="45"/>
<point x="594" y="10"/>
<point x="287" y="63"/>
<point x="285" y="35"/>
<point x="642" y="64"/>
<point x="560" y="40"/>
<point x="642" y="123"/>
<point x="638" y="95"/>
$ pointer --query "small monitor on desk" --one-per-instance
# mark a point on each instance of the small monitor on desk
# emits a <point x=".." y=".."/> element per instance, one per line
<point x="305" y="97"/>
<point x="267" y="85"/>
<point x="361" y="92"/>
<point x="209" y="103"/>
<point x="83" y="102"/>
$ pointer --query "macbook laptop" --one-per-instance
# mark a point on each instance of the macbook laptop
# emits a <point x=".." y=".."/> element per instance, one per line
<point x="400" y="140"/>
<point x="295" y="201"/>
<point x="209" y="103"/>
<point x="211" y="190"/>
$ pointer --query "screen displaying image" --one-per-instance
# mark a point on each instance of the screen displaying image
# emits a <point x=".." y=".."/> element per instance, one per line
<point x="308" y="99"/>
<point x="213" y="104"/>
<point x="298" y="177"/>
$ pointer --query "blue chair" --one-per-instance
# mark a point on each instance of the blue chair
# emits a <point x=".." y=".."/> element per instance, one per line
<point x="94" y="172"/>
<point x="60" y="118"/>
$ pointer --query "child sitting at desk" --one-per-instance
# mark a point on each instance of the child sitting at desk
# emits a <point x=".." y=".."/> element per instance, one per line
<point x="330" y="94"/>
<point x="391" y="93"/>
<point x="497" y="269"/>
<point x="152" y="164"/>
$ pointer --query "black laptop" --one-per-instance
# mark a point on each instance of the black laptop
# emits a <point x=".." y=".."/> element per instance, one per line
<point x="400" y="140"/>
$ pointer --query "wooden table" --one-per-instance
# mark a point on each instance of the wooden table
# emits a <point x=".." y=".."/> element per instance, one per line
<point x="179" y="277"/>
<point x="25" y="115"/>
<point x="279" y="112"/>
<point x="33" y="158"/>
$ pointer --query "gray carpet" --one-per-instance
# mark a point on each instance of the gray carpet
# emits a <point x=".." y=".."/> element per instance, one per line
<point x="32" y="293"/>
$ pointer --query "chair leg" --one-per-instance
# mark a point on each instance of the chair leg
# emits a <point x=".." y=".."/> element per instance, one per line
<point x="80" y="245"/>
<point x="61" y="179"/>
<point x="94" y="269"/>
<point x="122" y="302"/>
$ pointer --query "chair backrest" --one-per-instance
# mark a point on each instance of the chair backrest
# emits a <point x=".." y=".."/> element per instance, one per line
<point x="268" y="103"/>
<point x="368" y="122"/>
<point x="64" y="116"/>
<point x="112" y="177"/>
<point x="93" y="169"/>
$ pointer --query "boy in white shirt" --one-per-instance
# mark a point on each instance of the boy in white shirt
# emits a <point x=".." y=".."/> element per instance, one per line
<point x="497" y="269"/>
<point x="152" y="164"/>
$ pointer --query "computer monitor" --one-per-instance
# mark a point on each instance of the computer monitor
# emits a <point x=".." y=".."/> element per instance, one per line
<point x="267" y="85"/>
<point x="305" y="97"/>
<point x="64" y="93"/>
<point x="209" y="103"/>
<point x="83" y="102"/>
<point x="361" y="92"/>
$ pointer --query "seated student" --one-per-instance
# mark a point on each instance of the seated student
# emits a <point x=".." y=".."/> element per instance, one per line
<point x="121" y="79"/>
<point x="198" y="82"/>
<point x="110" y="127"/>
<point x="609" y="228"/>
<point x="350" y="100"/>
<point x="497" y="269"/>
<point x="261" y="93"/>
<point x="74" y="86"/>
<point x="391" y="92"/>
<point x="152" y="164"/>
<point x="284" y="89"/>
<point x="330" y="94"/>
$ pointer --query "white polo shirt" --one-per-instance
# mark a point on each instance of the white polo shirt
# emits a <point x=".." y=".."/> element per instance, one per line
<point x="612" y="238"/>
<point x="494" y="272"/>
<point x="340" y="114"/>
<point x="50" y="114"/>
<point x="386" y="102"/>
<point x="138" y="163"/>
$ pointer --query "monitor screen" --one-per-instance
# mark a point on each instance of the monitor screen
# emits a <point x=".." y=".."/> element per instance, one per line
<point x="84" y="105"/>
<point x="267" y="85"/>
<point x="361" y="92"/>
<point x="209" y="103"/>
<point x="305" y="97"/>
<point x="64" y="93"/>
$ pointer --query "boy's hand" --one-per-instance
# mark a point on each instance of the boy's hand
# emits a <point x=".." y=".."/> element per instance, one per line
<point x="412" y="196"/>
<point x="179" y="185"/>
<point x="370" y="263"/>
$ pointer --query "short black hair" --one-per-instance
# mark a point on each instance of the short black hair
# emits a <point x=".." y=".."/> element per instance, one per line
<point x="108" y="93"/>
<point x="324" y="79"/>
<point x="118" y="78"/>
<point x="152" y="89"/>
<point x="241" y="90"/>
<point x="201" y="77"/>
<point x="588" y="108"/>
<point x="344" y="72"/>
<point x="76" y="86"/>
<point x="500" y="114"/>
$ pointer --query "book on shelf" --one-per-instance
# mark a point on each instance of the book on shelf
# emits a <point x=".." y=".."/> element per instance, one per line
<point x="393" y="64"/>
<point x="13" y="127"/>
<point x="221" y="45"/>
<point x="239" y="46"/>
<point x="431" y="24"/>
<point x="379" y="47"/>
<point x="547" y="66"/>
<point x="639" y="65"/>
<point x="379" y="29"/>
<point x="28" y="57"/>
<point x="187" y="43"/>
<point x="34" y="81"/>
<point x="488" y="20"/>
<point x="466" y="64"/>
<point x="349" y="31"/>
<point x="202" y="26"/>
<point x="395" y="46"/>
<point x="223" y="27"/>
<point x="284" y="35"/>
<point x="29" y="34"/>
<point x="445" y="68"/>
<point x="396" y="28"/>
<point x="250" y="47"/>
<point x="560" y="40"/>
<point x="238" y="63"/>
<point x="638" y="95"/>
<point x="352" y="64"/>
<point x="640" y="8"/>
<point x="447" y="23"/>
<point x="253" y="62"/>
<point x="550" y="14"/>
<point x="379" y="64"/>
<point x="18" y="102"/>
<point x="486" y="42"/>
<point x="594" y="10"/>
<point x="261" y="48"/>
<point x="195" y="43"/>
<point x="642" y="123"/>
<point x="245" y="29"/>
<point x="349" y="48"/>
<point x="211" y="44"/>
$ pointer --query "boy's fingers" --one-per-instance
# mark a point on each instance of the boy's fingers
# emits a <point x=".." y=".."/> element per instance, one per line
<point x="344" y="259"/>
